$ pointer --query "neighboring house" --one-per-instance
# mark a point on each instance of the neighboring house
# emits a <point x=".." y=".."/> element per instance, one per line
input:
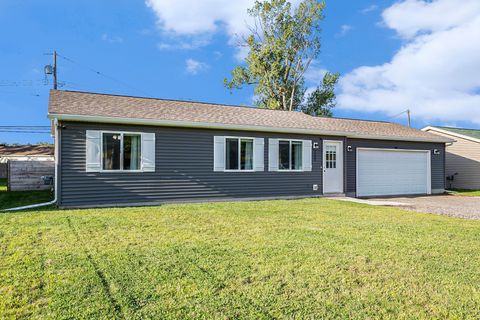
<point x="462" y="156"/>
<point x="23" y="153"/>
<point x="121" y="150"/>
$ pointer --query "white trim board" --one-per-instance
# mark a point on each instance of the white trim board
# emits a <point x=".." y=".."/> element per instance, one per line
<point x="206" y="125"/>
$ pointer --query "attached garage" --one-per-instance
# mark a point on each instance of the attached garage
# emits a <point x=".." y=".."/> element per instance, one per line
<point x="271" y="154"/>
<point x="385" y="172"/>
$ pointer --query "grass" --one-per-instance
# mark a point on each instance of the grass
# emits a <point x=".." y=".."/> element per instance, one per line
<point x="21" y="198"/>
<point x="313" y="258"/>
<point x="465" y="192"/>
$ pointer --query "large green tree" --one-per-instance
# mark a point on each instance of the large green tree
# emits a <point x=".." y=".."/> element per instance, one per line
<point x="282" y="44"/>
<point x="322" y="100"/>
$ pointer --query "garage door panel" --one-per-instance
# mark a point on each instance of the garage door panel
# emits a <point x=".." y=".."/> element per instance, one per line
<point x="392" y="172"/>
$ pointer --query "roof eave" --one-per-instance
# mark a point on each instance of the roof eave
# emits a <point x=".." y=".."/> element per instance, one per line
<point x="221" y="126"/>
<point x="445" y="131"/>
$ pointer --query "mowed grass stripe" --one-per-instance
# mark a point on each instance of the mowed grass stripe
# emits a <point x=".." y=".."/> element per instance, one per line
<point x="312" y="258"/>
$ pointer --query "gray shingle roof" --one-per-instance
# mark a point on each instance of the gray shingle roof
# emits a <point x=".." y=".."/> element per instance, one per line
<point x="100" y="107"/>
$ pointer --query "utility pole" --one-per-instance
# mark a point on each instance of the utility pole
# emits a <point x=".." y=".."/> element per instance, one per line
<point x="408" y="114"/>
<point x="54" y="69"/>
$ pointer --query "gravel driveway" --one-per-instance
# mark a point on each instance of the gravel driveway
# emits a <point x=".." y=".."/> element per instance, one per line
<point x="455" y="206"/>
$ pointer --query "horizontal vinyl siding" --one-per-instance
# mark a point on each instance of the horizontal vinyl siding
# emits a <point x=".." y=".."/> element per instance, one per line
<point x="184" y="171"/>
<point x="437" y="161"/>
<point x="463" y="158"/>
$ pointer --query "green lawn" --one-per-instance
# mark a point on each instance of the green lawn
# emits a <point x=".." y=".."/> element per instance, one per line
<point x="313" y="258"/>
<point x="21" y="198"/>
<point x="465" y="192"/>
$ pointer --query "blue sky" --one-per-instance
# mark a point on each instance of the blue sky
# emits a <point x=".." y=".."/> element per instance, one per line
<point x="155" y="48"/>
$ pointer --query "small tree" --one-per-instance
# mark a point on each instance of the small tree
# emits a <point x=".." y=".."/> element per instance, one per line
<point x="322" y="100"/>
<point x="282" y="44"/>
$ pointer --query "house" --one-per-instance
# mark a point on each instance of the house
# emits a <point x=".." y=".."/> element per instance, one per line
<point x="462" y="163"/>
<point x="123" y="150"/>
<point x="23" y="153"/>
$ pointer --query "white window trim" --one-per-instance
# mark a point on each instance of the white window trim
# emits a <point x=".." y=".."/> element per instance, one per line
<point x="289" y="156"/>
<point x="239" y="154"/>
<point x="121" y="152"/>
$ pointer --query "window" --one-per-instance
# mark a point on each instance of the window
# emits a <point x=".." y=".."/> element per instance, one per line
<point x="290" y="155"/>
<point x="121" y="151"/>
<point x="331" y="157"/>
<point x="238" y="154"/>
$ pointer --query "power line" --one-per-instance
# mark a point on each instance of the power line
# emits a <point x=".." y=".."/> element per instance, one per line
<point x="22" y="131"/>
<point x="408" y="116"/>
<point x="102" y="74"/>
<point x="24" y="126"/>
<point x="21" y="83"/>
<point x="25" y="129"/>
<point x="14" y="129"/>
<point x="397" y="115"/>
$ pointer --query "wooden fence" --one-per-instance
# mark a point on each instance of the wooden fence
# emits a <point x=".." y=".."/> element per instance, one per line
<point x="27" y="175"/>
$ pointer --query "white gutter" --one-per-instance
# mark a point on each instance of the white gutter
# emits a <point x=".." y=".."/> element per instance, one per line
<point x="55" y="179"/>
<point x="207" y="125"/>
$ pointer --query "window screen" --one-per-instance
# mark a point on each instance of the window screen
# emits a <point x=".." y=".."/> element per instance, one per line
<point x="121" y="151"/>
<point x="111" y="151"/>
<point x="131" y="152"/>
<point x="290" y="155"/>
<point x="238" y="154"/>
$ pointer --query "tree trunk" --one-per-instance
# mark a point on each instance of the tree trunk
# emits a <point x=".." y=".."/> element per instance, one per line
<point x="291" y="98"/>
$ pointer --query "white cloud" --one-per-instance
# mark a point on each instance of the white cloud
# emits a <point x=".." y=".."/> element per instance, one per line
<point x="186" y="19"/>
<point x="344" y="29"/>
<point x="218" y="55"/>
<point x="411" y="17"/>
<point x="369" y="9"/>
<point x="314" y="75"/>
<point x="111" y="39"/>
<point x="193" y="67"/>
<point x="184" y="43"/>
<point x="435" y="73"/>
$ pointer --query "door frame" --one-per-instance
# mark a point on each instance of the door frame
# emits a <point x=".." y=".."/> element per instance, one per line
<point x="429" y="165"/>
<point x="342" y="163"/>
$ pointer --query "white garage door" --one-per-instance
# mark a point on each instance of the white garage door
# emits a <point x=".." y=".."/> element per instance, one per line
<point x="382" y="172"/>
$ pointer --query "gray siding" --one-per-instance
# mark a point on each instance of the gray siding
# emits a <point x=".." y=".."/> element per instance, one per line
<point x="463" y="161"/>
<point x="184" y="171"/>
<point x="437" y="161"/>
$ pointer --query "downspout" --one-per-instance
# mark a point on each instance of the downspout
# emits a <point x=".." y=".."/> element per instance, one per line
<point x="56" y="152"/>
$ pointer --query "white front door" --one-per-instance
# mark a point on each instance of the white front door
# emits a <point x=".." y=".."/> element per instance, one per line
<point x="332" y="166"/>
